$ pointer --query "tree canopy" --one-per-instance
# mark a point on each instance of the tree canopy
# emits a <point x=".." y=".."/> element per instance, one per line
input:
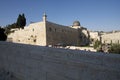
<point x="21" y="21"/>
<point x="3" y="36"/>
<point x="115" y="48"/>
<point x="97" y="44"/>
<point x="9" y="27"/>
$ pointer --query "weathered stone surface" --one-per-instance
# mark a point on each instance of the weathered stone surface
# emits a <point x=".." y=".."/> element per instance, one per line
<point x="43" y="63"/>
<point x="111" y="38"/>
<point x="47" y="33"/>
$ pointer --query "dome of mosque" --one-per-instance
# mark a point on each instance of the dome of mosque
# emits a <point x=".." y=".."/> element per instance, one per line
<point x="76" y="23"/>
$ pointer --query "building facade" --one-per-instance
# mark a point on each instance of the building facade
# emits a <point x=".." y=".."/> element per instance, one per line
<point x="46" y="33"/>
<point x="109" y="38"/>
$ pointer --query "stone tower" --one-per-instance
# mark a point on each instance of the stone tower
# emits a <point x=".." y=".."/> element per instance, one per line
<point x="44" y="17"/>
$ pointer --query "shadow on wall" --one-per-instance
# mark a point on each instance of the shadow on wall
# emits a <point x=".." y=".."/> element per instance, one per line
<point x="84" y="39"/>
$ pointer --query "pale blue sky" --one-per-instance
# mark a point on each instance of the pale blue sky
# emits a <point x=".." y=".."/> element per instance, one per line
<point x="92" y="14"/>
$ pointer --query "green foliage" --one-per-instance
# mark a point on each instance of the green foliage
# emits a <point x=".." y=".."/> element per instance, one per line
<point x="9" y="27"/>
<point x="21" y="21"/>
<point x="24" y="20"/>
<point x="3" y="36"/>
<point x="97" y="44"/>
<point x="115" y="48"/>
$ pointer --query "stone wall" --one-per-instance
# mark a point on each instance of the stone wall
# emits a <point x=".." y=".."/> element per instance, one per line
<point x="34" y="34"/>
<point x="111" y="38"/>
<point x="56" y="34"/>
<point x="28" y="62"/>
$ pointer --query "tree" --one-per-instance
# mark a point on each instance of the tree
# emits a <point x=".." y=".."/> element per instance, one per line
<point x="97" y="44"/>
<point x="9" y="27"/>
<point x="21" y="21"/>
<point x="3" y="36"/>
<point x="115" y="48"/>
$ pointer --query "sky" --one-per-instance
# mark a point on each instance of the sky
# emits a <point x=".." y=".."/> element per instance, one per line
<point x="95" y="15"/>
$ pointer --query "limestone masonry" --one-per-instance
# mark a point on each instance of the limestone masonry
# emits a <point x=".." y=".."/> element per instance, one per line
<point x="113" y="37"/>
<point x="28" y="62"/>
<point x="47" y="33"/>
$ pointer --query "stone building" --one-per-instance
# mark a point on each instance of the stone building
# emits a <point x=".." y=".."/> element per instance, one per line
<point x="94" y="36"/>
<point x="112" y="37"/>
<point x="46" y="33"/>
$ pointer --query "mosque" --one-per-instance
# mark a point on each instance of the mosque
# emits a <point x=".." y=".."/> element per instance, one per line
<point x="46" y="33"/>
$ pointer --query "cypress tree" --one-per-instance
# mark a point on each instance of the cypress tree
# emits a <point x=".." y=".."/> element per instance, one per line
<point x="21" y="21"/>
